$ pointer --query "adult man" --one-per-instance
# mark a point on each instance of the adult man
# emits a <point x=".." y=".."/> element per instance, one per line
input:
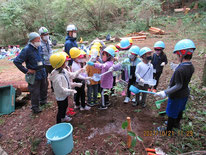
<point x="46" y="48"/>
<point x="34" y="69"/>
<point x="70" y="39"/>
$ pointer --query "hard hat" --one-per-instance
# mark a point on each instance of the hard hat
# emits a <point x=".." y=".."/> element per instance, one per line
<point x="82" y="54"/>
<point x="159" y="44"/>
<point x="75" y="52"/>
<point x="33" y="35"/>
<point x="98" y="44"/>
<point x="134" y="49"/>
<point x="95" y="47"/>
<point x="110" y="51"/>
<point x="113" y="47"/>
<point x="43" y="30"/>
<point x="57" y="59"/>
<point x="65" y="54"/>
<point x="71" y="27"/>
<point x="94" y="53"/>
<point x="184" y="44"/>
<point x="144" y="50"/>
<point x="124" y="43"/>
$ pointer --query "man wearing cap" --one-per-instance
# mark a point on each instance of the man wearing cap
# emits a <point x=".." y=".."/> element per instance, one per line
<point x="70" y="39"/>
<point x="46" y="48"/>
<point x="31" y="55"/>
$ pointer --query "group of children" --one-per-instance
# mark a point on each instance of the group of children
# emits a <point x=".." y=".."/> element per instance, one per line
<point x="135" y="66"/>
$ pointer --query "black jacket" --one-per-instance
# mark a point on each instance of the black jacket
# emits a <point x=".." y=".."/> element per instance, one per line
<point x="157" y="60"/>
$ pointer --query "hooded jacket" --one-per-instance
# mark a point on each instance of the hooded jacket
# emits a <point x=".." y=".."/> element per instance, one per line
<point x="62" y="83"/>
<point x="69" y="43"/>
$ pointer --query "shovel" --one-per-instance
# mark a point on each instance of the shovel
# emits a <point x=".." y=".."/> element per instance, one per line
<point x="136" y="90"/>
<point x="97" y="77"/>
<point x="159" y="102"/>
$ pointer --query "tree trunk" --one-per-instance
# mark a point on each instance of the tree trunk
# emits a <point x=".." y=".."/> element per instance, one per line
<point x="204" y="75"/>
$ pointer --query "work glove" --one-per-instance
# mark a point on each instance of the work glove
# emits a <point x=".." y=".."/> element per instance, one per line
<point x="88" y="78"/>
<point x="162" y="64"/>
<point x="141" y="80"/>
<point x="90" y="63"/>
<point x="161" y="94"/>
<point x="72" y="92"/>
<point x="111" y="69"/>
<point x="77" y="84"/>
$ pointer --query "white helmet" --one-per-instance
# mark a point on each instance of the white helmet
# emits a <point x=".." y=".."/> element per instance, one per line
<point x="71" y="27"/>
<point x="43" y="30"/>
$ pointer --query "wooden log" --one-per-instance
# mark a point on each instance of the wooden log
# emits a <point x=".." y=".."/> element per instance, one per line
<point x="129" y="138"/>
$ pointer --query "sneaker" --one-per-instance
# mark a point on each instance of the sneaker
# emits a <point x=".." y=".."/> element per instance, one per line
<point x="96" y="103"/>
<point x="66" y="119"/>
<point x="36" y="111"/>
<point x="127" y="99"/>
<point x="108" y="104"/>
<point x="149" y="89"/>
<point x="144" y="105"/>
<point x="102" y="108"/>
<point x="99" y="95"/>
<point x="91" y="104"/>
<point x="135" y="104"/>
<point x="134" y="100"/>
<point x="81" y="109"/>
<point x="123" y="93"/>
<point x="76" y="107"/>
<point x="86" y="108"/>
<point x="162" y="128"/>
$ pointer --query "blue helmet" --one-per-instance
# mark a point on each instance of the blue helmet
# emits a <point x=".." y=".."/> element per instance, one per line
<point x="110" y="51"/>
<point x="183" y="45"/>
<point x="124" y="43"/>
<point x="144" y="50"/>
<point x="160" y="44"/>
<point x="134" y="49"/>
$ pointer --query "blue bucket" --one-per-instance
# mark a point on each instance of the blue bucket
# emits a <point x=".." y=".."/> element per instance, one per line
<point x="60" y="138"/>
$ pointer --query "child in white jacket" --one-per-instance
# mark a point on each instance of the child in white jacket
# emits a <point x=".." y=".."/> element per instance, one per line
<point x="61" y="79"/>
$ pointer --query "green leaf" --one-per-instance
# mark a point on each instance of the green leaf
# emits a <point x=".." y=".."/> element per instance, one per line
<point x="137" y="110"/>
<point x="124" y="125"/>
<point x="132" y="134"/>
<point x="139" y="139"/>
<point x="134" y="142"/>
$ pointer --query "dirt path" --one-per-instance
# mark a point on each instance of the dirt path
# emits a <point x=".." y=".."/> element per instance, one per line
<point x="96" y="131"/>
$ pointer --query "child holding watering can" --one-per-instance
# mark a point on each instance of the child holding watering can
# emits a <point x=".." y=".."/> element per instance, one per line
<point x="92" y="88"/>
<point x="129" y="65"/>
<point x="159" y="60"/>
<point x="78" y="57"/>
<point x="144" y="73"/>
<point x="178" y="91"/>
<point x="61" y="81"/>
<point x="107" y="79"/>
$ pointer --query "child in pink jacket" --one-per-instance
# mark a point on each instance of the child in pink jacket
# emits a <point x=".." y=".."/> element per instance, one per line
<point x="107" y="79"/>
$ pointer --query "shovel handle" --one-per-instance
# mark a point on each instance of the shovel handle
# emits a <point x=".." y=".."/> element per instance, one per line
<point x="144" y="91"/>
<point x="150" y="150"/>
<point x="105" y="73"/>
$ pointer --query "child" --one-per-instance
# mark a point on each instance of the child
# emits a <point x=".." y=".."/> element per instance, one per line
<point x="129" y="66"/>
<point x="159" y="60"/>
<point x="178" y="90"/>
<point x="92" y="88"/>
<point x="144" y="73"/>
<point x="107" y="79"/>
<point x="62" y="84"/>
<point x="78" y="57"/>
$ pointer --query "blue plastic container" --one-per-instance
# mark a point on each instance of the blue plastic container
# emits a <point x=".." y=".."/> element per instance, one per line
<point x="61" y="139"/>
<point x="7" y="99"/>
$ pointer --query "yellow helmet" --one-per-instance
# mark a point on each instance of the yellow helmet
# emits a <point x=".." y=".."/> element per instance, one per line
<point x="74" y="52"/>
<point x="113" y="47"/>
<point x="94" y="51"/>
<point x="98" y="44"/>
<point x="130" y="41"/>
<point x="57" y="59"/>
<point x="95" y="47"/>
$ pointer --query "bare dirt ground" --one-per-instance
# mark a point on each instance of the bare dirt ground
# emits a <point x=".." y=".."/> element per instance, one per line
<point x="97" y="131"/>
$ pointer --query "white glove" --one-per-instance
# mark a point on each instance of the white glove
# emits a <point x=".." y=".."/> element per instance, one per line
<point x="111" y="69"/>
<point x="88" y="78"/>
<point x="77" y="84"/>
<point x="72" y="91"/>
<point x="141" y="80"/>
<point x="162" y="94"/>
<point x="162" y="64"/>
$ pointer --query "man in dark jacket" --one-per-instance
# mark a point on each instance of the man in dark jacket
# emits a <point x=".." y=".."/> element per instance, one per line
<point x="70" y="39"/>
<point x="32" y="56"/>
